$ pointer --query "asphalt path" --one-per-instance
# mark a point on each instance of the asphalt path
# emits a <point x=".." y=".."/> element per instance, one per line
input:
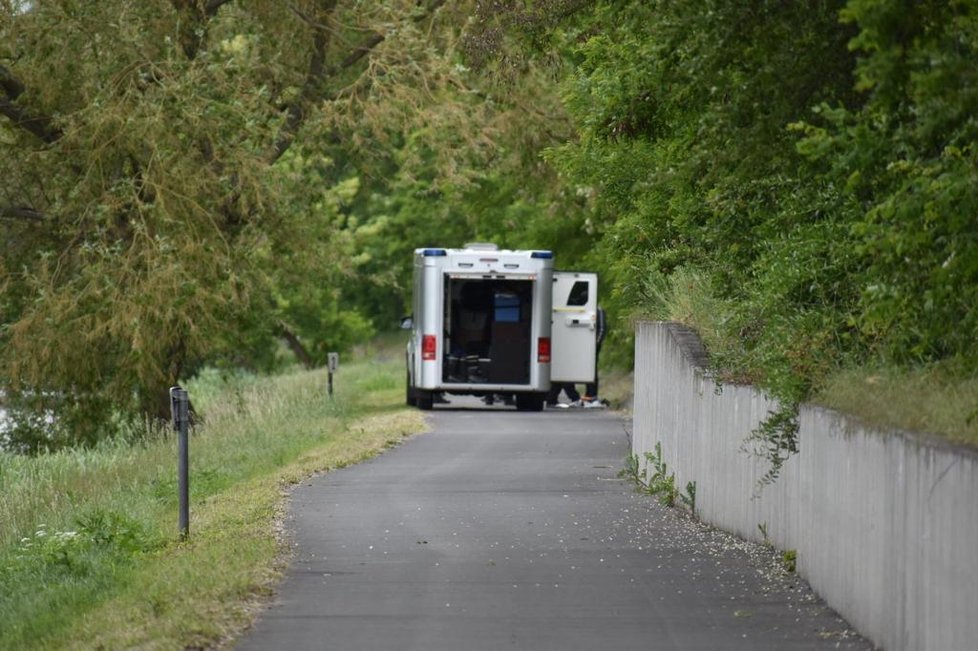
<point x="501" y="529"/>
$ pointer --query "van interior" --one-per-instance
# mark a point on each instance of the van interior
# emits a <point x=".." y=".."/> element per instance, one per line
<point x="487" y="331"/>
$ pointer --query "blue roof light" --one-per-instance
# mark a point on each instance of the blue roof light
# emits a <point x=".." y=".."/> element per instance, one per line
<point x="433" y="253"/>
<point x="545" y="255"/>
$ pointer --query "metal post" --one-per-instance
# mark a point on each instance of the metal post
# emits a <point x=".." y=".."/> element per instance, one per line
<point x="180" y="408"/>
<point x="332" y="362"/>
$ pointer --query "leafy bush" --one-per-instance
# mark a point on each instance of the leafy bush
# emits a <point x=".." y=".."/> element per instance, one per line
<point x="818" y="184"/>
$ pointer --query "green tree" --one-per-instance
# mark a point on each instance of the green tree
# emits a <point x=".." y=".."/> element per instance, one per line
<point x="683" y="112"/>
<point x="496" y="187"/>
<point x="906" y="164"/>
<point x="806" y="170"/>
<point x="166" y="200"/>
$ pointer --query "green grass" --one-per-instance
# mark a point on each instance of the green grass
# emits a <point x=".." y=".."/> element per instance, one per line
<point x="617" y="386"/>
<point x="89" y="550"/>
<point x="688" y="299"/>
<point x="938" y="399"/>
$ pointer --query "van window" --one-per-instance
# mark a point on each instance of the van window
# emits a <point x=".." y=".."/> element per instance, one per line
<point x="578" y="294"/>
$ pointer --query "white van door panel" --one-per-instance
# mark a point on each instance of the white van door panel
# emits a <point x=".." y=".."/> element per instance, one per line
<point x="574" y="330"/>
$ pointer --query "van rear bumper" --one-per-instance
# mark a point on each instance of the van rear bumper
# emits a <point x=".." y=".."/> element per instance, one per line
<point x="483" y="389"/>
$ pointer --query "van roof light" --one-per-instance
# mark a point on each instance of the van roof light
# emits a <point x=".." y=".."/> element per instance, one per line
<point x="545" y="255"/>
<point x="430" y="253"/>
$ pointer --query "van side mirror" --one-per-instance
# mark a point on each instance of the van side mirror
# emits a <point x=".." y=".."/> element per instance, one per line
<point x="407" y="323"/>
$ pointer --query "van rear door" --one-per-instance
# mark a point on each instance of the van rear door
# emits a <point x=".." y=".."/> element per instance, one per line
<point x="574" y="332"/>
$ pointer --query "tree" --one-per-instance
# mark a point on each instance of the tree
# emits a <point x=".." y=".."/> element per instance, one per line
<point x="473" y="177"/>
<point x="161" y="205"/>
<point x="806" y="171"/>
<point x="905" y="163"/>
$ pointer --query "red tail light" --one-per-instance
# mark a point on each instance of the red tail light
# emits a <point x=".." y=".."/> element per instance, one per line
<point x="543" y="350"/>
<point x="429" y="347"/>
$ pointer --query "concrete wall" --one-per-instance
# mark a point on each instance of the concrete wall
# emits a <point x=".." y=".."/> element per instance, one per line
<point x="885" y="524"/>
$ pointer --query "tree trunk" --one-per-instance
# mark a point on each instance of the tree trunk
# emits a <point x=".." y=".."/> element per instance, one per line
<point x="296" y="346"/>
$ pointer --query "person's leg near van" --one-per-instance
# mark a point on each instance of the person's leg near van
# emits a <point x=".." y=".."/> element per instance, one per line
<point x="573" y="395"/>
<point x="553" y="394"/>
<point x="591" y="388"/>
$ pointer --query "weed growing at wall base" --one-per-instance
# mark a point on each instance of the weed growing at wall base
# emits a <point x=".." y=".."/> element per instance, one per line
<point x="659" y="482"/>
<point x="689" y="497"/>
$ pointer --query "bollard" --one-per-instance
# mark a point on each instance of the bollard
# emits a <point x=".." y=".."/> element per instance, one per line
<point x="332" y="362"/>
<point x="180" y="409"/>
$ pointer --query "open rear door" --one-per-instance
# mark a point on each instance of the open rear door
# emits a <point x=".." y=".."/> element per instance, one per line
<point x="574" y="333"/>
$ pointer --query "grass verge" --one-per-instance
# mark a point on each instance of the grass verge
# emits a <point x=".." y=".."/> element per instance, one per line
<point x="89" y="551"/>
<point x="939" y="399"/>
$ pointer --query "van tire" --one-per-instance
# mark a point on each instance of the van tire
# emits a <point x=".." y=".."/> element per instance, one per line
<point x="529" y="402"/>
<point x="424" y="400"/>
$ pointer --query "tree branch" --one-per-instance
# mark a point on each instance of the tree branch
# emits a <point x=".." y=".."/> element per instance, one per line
<point x="39" y="125"/>
<point x="210" y="9"/>
<point x="360" y="52"/>
<point x="296" y="111"/>
<point x="21" y="212"/>
<point x="194" y="31"/>
<point x="376" y="39"/>
<point x="318" y="72"/>
<point x="295" y="345"/>
<point x="12" y="87"/>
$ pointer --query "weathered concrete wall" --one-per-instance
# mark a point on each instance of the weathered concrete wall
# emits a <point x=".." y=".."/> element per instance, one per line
<point x="885" y="524"/>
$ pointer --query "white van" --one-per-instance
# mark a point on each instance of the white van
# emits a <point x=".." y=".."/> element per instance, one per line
<point x="485" y="322"/>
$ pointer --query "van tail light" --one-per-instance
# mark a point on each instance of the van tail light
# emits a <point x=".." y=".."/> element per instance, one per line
<point x="543" y="350"/>
<point x="429" y="347"/>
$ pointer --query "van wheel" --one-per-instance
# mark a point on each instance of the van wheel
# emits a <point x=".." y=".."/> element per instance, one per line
<point x="424" y="400"/>
<point x="529" y="402"/>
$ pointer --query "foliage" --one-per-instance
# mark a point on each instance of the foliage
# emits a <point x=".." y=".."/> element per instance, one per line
<point x="807" y="169"/>
<point x="205" y="178"/>
<point x="659" y="481"/>
<point x="775" y="439"/>
<point x="511" y="197"/>
<point x="689" y="497"/>
<point x="682" y="113"/>
<point x="90" y="554"/>
<point x="174" y="192"/>
<point x="762" y="528"/>
<point x="905" y="163"/>
<point x="790" y="559"/>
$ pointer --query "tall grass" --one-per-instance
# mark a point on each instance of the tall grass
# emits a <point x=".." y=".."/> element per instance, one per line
<point x="939" y="398"/>
<point x="686" y="297"/>
<point x="89" y="549"/>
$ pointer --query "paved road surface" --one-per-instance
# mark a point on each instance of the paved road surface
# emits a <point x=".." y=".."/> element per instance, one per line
<point x="500" y="529"/>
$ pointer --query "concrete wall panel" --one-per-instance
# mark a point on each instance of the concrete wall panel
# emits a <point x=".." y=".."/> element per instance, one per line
<point x="885" y="524"/>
